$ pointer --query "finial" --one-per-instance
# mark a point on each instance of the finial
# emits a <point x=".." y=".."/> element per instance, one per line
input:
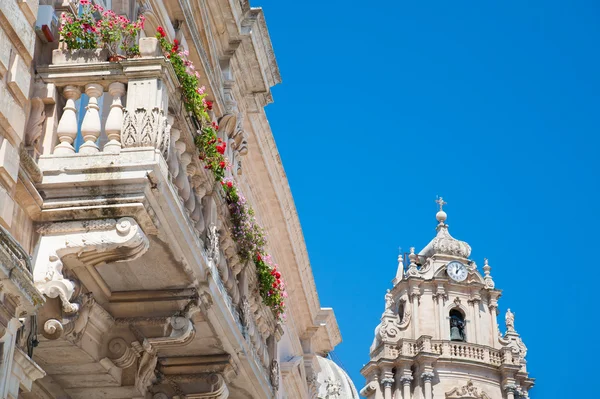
<point x="488" y="281"/>
<point x="441" y="215"/>
<point x="412" y="267"/>
<point x="440" y="201"/>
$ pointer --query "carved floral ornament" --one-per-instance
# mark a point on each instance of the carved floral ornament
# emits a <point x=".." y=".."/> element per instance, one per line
<point x="469" y="391"/>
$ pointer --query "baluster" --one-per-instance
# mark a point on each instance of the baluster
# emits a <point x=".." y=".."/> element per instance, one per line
<point x="114" y="121"/>
<point x="190" y="204"/>
<point x="67" y="126"/>
<point x="173" y="161"/>
<point x="182" y="181"/>
<point x="91" y="125"/>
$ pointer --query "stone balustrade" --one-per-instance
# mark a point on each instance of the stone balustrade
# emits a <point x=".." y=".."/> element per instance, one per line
<point x="456" y="350"/>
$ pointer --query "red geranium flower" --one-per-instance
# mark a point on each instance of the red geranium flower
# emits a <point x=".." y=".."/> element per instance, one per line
<point x="222" y="164"/>
<point x="277" y="275"/>
<point x="161" y="31"/>
<point x="230" y="184"/>
<point x="258" y="257"/>
<point x="209" y="105"/>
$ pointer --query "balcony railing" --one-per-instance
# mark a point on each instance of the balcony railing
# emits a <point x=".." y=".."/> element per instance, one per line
<point x="455" y="350"/>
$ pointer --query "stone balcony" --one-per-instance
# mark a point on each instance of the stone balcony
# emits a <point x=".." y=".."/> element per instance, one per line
<point x="147" y="237"/>
<point x="443" y="350"/>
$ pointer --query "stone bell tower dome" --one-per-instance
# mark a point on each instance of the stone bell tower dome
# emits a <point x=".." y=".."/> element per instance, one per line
<point x="439" y="336"/>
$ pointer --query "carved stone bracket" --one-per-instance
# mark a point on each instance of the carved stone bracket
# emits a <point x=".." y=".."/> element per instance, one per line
<point x="183" y="333"/>
<point x="92" y="242"/>
<point x="218" y="389"/>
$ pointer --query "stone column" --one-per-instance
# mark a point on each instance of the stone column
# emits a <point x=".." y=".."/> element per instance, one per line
<point x="427" y="377"/>
<point x="398" y="388"/>
<point x="493" y="306"/>
<point x="474" y="303"/>
<point x="406" y="381"/>
<point x="415" y="296"/>
<point x="510" y="390"/>
<point x="387" y="387"/>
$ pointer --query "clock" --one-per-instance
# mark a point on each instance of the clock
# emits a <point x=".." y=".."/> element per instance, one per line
<point x="457" y="271"/>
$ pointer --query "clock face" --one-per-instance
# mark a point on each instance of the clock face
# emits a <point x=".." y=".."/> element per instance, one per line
<point x="457" y="271"/>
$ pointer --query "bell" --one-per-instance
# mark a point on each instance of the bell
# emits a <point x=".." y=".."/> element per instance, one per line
<point x="455" y="334"/>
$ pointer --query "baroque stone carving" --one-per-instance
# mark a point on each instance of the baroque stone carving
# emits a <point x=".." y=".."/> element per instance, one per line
<point x="92" y="242"/>
<point x="275" y="375"/>
<point x="212" y="244"/>
<point x="33" y="132"/>
<point x="145" y="375"/>
<point x="406" y="379"/>
<point x="427" y="376"/>
<point x="218" y="389"/>
<point x="509" y="318"/>
<point x="412" y="267"/>
<point x="468" y="391"/>
<point x="333" y="389"/>
<point x="121" y="353"/>
<point x="146" y="128"/>
<point x="389" y="303"/>
<point x="182" y="333"/>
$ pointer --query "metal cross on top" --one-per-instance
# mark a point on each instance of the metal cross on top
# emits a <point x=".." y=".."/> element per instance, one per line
<point x="440" y="201"/>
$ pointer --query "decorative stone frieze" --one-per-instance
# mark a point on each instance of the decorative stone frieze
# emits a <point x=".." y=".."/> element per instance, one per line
<point x="146" y="128"/>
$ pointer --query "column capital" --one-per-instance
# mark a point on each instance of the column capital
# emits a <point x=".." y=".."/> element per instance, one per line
<point x="511" y="388"/>
<point x="427" y="376"/>
<point x="406" y="379"/>
<point x="387" y="382"/>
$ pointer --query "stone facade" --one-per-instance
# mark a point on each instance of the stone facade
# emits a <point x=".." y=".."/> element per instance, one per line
<point x="439" y="336"/>
<point x="134" y="287"/>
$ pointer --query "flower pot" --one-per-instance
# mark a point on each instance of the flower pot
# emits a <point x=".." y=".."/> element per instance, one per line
<point x="116" y="58"/>
<point x="80" y="56"/>
<point x="149" y="47"/>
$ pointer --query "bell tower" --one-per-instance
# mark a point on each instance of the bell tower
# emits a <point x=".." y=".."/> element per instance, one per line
<point x="439" y="337"/>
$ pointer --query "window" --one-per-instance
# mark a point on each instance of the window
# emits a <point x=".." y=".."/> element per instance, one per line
<point x="457" y="326"/>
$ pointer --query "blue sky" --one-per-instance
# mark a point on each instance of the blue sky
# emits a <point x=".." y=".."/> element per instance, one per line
<point x="494" y="105"/>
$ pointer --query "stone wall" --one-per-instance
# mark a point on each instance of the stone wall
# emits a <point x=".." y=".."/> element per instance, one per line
<point x="17" y="43"/>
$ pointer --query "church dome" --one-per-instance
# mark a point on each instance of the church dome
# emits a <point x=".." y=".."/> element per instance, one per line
<point x="334" y="383"/>
<point x="444" y="243"/>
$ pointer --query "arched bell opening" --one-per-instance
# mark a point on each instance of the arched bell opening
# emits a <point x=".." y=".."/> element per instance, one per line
<point x="457" y="325"/>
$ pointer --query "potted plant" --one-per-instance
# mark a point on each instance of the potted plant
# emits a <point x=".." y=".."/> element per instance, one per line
<point x="96" y="35"/>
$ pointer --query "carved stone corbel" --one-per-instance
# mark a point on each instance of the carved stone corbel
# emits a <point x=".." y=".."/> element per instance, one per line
<point x="121" y="353"/>
<point x="218" y="389"/>
<point x="92" y="242"/>
<point x="182" y="333"/>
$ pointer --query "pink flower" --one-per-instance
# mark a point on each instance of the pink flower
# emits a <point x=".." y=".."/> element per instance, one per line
<point x="84" y="2"/>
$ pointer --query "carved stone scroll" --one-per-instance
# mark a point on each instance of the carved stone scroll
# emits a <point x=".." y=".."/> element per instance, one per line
<point x="92" y="242"/>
